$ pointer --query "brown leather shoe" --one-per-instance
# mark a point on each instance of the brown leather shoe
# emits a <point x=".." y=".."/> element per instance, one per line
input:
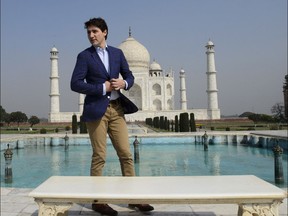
<point x="104" y="209"/>
<point x="142" y="207"/>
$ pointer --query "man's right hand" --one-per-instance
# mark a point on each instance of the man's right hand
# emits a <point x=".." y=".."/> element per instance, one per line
<point x="108" y="86"/>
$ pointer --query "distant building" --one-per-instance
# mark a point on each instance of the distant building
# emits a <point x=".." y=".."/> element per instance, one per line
<point x="153" y="90"/>
<point x="285" y="91"/>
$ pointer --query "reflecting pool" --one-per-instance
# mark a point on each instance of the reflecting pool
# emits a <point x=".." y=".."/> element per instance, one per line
<point x="34" y="164"/>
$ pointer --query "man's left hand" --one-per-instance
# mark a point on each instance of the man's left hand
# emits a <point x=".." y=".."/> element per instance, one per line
<point x="117" y="84"/>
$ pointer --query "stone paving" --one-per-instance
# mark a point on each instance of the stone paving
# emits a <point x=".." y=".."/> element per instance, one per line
<point x="16" y="202"/>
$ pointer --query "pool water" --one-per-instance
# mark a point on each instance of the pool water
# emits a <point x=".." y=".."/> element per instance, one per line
<point x="34" y="164"/>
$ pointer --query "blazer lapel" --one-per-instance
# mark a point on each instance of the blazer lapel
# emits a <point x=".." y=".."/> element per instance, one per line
<point x="113" y="73"/>
<point x="99" y="62"/>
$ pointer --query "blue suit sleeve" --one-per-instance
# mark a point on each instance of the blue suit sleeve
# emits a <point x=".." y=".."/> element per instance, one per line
<point x="78" y="82"/>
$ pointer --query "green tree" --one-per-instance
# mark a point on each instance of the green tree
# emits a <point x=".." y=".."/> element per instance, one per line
<point x="33" y="120"/>
<point x="267" y="118"/>
<point x="254" y="117"/>
<point x="74" y="124"/>
<point x="3" y="114"/>
<point x="149" y="121"/>
<point x="172" y="125"/>
<point x="184" y="122"/>
<point x="7" y="119"/>
<point x="156" y="123"/>
<point x="278" y="111"/>
<point x="176" y="124"/>
<point x="166" y="127"/>
<point x="246" y="114"/>
<point x="261" y="118"/>
<point x="18" y="117"/>
<point x="192" y="122"/>
<point x="83" y="127"/>
<point x="161" y="123"/>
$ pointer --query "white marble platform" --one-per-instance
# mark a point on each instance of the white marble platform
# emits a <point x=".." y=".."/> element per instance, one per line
<point x="157" y="189"/>
<point x="15" y="202"/>
<point x="252" y="194"/>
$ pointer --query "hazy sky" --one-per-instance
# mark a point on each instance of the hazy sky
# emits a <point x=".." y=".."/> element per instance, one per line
<point x="250" y="38"/>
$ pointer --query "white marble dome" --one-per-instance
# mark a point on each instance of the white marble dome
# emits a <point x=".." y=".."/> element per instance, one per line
<point x="210" y="43"/>
<point x="155" y="66"/>
<point x="136" y="54"/>
<point x="54" y="49"/>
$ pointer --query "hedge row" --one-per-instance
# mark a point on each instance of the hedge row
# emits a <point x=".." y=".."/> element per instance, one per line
<point x="181" y="123"/>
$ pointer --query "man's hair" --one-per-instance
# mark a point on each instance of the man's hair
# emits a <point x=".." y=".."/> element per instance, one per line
<point x="99" y="23"/>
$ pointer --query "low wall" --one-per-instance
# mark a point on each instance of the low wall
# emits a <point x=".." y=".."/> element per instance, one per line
<point x="228" y="137"/>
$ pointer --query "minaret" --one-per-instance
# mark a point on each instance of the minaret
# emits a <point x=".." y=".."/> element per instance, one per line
<point x="285" y="92"/>
<point x="54" y="84"/>
<point x="212" y="91"/>
<point x="183" y="100"/>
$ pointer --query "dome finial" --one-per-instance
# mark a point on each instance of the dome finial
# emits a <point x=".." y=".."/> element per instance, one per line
<point x="129" y="31"/>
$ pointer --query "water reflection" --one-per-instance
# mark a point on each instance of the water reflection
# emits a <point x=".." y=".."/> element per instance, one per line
<point x="215" y="166"/>
<point x="206" y="158"/>
<point x="34" y="164"/>
<point x="137" y="168"/>
<point x="66" y="158"/>
<point x="212" y="161"/>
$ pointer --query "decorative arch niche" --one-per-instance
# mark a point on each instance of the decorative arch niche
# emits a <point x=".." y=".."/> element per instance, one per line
<point x="156" y="89"/>
<point x="157" y="105"/>
<point x="169" y="105"/>
<point x="169" y="89"/>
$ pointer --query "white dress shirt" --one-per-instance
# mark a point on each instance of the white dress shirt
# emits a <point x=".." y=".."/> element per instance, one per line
<point x="103" y="54"/>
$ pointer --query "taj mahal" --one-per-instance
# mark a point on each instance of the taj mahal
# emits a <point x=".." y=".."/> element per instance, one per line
<point x="153" y="90"/>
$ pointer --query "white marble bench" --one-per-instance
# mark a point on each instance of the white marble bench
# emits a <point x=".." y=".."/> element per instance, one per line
<point x="253" y="195"/>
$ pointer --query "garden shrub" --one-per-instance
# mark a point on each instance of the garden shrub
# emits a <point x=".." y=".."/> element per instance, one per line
<point x="43" y="131"/>
<point x="184" y="122"/>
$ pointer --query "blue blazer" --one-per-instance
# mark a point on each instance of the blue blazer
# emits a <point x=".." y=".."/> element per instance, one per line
<point x="89" y="75"/>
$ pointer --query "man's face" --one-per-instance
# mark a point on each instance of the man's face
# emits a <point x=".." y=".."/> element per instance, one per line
<point x="96" y="36"/>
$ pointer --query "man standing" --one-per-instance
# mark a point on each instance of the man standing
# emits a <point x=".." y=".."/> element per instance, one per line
<point x="96" y="74"/>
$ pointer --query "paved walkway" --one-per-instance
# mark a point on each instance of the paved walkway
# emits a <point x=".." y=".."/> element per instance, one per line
<point x="15" y="202"/>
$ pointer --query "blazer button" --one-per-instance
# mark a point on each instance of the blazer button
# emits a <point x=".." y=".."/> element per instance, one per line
<point x="108" y="97"/>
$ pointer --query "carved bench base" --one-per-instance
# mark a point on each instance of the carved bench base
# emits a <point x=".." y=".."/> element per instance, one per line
<point x="53" y="208"/>
<point x="269" y="209"/>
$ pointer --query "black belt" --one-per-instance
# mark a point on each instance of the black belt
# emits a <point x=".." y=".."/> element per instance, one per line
<point x="114" y="102"/>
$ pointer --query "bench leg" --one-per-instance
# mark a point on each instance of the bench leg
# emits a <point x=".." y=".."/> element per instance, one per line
<point x="53" y="208"/>
<point x="269" y="209"/>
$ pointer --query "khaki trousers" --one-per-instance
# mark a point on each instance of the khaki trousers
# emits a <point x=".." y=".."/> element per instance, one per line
<point x="113" y="123"/>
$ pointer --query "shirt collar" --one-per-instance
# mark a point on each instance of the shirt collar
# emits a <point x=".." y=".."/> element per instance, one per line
<point x="101" y="49"/>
